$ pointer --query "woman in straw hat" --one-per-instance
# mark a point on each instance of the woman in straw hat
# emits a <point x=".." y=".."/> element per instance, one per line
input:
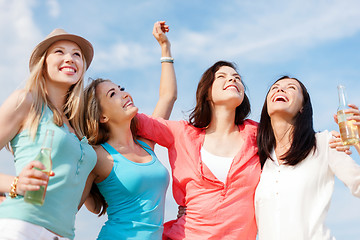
<point x="131" y="180"/>
<point x="51" y="99"/>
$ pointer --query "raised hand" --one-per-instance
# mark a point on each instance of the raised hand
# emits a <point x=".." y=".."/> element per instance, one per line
<point x="159" y="30"/>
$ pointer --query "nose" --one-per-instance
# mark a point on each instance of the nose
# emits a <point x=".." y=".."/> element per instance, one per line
<point x="232" y="79"/>
<point x="125" y="95"/>
<point x="68" y="58"/>
<point x="280" y="89"/>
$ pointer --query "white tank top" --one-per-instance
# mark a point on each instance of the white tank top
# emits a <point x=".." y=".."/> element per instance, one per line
<point x="219" y="166"/>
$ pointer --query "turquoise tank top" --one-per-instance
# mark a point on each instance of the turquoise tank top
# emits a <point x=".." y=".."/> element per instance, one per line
<point x="72" y="161"/>
<point x="135" y="193"/>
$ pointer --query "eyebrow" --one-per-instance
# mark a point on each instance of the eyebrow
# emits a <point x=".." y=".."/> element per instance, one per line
<point x="73" y="49"/>
<point x="111" y="89"/>
<point x="235" y="74"/>
<point x="289" y="84"/>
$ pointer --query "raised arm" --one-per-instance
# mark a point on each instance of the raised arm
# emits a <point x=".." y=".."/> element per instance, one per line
<point x="168" y="87"/>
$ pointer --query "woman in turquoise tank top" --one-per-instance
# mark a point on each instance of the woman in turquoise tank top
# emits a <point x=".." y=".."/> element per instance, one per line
<point x="131" y="180"/>
<point x="51" y="99"/>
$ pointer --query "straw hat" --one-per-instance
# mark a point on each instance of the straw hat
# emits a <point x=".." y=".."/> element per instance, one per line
<point x="57" y="35"/>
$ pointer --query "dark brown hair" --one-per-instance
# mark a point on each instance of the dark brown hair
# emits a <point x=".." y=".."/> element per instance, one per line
<point x="200" y="117"/>
<point x="301" y="145"/>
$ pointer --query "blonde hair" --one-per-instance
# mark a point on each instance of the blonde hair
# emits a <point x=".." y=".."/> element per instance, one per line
<point x="73" y="108"/>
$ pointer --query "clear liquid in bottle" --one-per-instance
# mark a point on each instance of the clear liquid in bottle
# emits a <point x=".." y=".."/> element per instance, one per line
<point x="44" y="156"/>
<point x="348" y="131"/>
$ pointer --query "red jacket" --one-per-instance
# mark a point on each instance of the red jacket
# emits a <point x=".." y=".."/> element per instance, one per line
<point x="214" y="210"/>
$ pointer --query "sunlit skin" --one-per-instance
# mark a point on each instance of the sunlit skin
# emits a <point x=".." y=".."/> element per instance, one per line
<point x="284" y="100"/>
<point x="64" y="64"/>
<point x="223" y="137"/>
<point x="116" y="104"/>
<point x="227" y="88"/>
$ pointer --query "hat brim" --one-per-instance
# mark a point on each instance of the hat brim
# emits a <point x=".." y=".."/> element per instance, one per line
<point x="85" y="46"/>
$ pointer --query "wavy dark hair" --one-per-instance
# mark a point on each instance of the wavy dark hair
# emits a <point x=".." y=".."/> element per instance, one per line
<point x="304" y="142"/>
<point x="200" y="117"/>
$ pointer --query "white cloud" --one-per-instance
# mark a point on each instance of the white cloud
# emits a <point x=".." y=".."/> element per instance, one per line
<point x="54" y="8"/>
<point x="19" y="36"/>
<point x="122" y="55"/>
<point x="296" y="26"/>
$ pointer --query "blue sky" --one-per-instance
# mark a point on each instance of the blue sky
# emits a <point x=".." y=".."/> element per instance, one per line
<point x="315" y="41"/>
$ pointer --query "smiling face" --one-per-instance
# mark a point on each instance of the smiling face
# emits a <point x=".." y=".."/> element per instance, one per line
<point x="285" y="97"/>
<point x="227" y="88"/>
<point x="64" y="63"/>
<point x="116" y="104"/>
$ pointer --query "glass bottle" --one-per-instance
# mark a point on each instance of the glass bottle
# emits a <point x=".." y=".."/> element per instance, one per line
<point x="44" y="156"/>
<point x="348" y="131"/>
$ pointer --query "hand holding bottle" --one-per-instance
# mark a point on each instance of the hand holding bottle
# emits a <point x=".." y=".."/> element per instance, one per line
<point x="31" y="178"/>
<point x="354" y="110"/>
<point x="337" y="144"/>
<point x="348" y="130"/>
<point x="43" y="157"/>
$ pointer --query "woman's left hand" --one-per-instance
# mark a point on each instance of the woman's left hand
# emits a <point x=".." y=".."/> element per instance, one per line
<point x="159" y="30"/>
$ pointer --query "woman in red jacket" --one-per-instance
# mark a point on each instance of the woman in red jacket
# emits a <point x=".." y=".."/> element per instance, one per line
<point x="214" y="161"/>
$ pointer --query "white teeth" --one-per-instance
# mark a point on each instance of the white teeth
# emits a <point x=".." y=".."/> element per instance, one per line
<point x="233" y="87"/>
<point x="127" y="104"/>
<point x="280" y="98"/>
<point x="68" y="69"/>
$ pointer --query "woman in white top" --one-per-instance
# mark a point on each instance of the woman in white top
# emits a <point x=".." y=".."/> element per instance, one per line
<point x="298" y="167"/>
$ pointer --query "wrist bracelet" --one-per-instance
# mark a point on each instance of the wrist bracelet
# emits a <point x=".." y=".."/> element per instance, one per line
<point x="167" y="59"/>
<point x="12" y="192"/>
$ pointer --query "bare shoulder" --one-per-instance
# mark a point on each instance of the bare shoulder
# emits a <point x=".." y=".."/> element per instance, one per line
<point x="13" y="114"/>
<point x="19" y="101"/>
<point x="103" y="165"/>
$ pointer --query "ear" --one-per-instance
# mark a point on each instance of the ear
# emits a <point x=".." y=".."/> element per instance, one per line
<point x="301" y="110"/>
<point x="104" y="119"/>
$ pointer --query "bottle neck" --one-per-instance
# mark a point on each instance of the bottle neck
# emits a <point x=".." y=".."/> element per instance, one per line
<point x="47" y="144"/>
<point x="342" y="97"/>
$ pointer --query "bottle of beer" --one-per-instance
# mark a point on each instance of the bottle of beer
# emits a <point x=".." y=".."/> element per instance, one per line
<point x="44" y="156"/>
<point x="348" y="131"/>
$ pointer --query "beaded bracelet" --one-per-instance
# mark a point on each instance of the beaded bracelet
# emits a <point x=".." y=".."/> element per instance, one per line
<point x="167" y="59"/>
<point x="12" y="192"/>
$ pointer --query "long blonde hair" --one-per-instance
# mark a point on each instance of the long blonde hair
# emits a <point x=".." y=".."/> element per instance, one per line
<point x="73" y="108"/>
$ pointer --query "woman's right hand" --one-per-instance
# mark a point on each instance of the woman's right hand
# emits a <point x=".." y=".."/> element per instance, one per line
<point x="31" y="178"/>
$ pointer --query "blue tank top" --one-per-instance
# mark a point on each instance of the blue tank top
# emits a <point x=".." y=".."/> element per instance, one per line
<point x="72" y="161"/>
<point x="135" y="193"/>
